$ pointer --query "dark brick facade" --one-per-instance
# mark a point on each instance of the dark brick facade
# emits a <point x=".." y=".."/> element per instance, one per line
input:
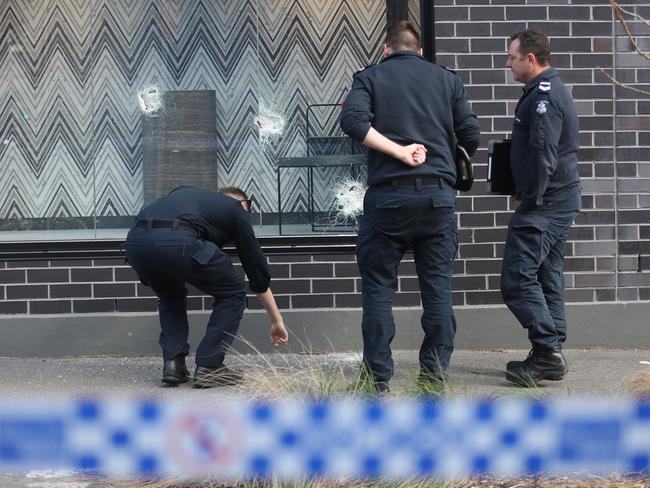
<point x="608" y="255"/>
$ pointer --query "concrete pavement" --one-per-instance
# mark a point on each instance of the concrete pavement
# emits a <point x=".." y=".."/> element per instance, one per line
<point x="599" y="372"/>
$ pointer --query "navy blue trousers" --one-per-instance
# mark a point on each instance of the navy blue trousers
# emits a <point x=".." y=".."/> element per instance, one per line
<point x="394" y="220"/>
<point x="166" y="259"/>
<point x="532" y="275"/>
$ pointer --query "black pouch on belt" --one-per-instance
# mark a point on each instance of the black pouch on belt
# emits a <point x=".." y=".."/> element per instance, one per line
<point x="464" y="172"/>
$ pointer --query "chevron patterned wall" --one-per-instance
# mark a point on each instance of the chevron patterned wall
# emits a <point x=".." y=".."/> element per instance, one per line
<point x="70" y="125"/>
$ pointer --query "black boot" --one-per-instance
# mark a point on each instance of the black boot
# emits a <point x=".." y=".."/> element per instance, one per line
<point x="221" y="376"/>
<point x="541" y="364"/>
<point x="175" y="371"/>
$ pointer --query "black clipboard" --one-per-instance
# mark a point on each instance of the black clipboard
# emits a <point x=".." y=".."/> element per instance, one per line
<point x="499" y="177"/>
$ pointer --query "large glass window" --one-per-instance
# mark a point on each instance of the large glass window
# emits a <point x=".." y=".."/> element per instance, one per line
<point x="108" y="104"/>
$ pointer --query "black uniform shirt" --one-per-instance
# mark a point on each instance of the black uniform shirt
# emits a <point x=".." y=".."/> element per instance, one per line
<point x="544" y="154"/>
<point x="410" y="100"/>
<point x="220" y="219"/>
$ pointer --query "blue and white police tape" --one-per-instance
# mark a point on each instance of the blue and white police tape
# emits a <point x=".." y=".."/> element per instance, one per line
<point x="234" y="438"/>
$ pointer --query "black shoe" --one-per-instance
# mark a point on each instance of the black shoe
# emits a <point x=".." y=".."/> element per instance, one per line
<point x="175" y="371"/>
<point x="379" y="388"/>
<point x="383" y="390"/>
<point x="541" y="364"/>
<point x="221" y="376"/>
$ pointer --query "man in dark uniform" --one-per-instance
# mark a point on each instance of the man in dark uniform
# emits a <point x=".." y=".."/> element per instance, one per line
<point x="410" y="113"/>
<point x="544" y="166"/>
<point x="178" y="239"/>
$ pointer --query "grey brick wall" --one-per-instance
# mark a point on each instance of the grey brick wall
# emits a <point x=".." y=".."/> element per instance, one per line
<point x="608" y="254"/>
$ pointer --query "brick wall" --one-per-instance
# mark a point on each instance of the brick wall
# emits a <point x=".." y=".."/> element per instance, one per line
<point x="608" y="247"/>
<point x="608" y="253"/>
<point x="108" y="285"/>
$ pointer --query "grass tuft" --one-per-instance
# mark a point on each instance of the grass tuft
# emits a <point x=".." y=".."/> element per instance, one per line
<point x="639" y="386"/>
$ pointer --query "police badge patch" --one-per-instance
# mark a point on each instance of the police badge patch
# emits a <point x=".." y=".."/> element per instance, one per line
<point x="541" y="107"/>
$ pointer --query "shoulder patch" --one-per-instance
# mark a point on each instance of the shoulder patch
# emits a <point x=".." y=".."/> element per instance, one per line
<point x="541" y="107"/>
<point x="544" y="86"/>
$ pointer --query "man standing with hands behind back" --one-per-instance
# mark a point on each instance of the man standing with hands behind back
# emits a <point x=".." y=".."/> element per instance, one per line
<point x="410" y="113"/>
<point x="544" y="159"/>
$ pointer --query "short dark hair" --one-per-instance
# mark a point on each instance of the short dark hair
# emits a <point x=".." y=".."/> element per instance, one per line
<point x="235" y="191"/>
<point x="534" y="41"/>
<point x="238" y="194"/>
<point x="403" y="36"/>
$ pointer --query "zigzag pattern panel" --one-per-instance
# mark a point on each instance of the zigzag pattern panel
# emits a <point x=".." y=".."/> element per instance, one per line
<point x="46" y="123"/>
<point x="414" y="13"/>
<point x="309" y="52"/>
<point x="70" y="126"/>
<point x="188" y="45"/>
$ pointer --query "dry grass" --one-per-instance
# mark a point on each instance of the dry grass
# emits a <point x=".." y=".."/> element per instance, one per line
<point x="639" y="386"/>
<point x="289" y="377"/>
<point x="276" y="376"/>
<point x="582" y="481"/>
<point x="320" y="483"/>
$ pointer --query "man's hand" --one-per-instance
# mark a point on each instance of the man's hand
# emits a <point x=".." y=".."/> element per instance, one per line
<point x="420" y="155"/>
<point x="279" y="334"/>
<point x="413" y="154"/>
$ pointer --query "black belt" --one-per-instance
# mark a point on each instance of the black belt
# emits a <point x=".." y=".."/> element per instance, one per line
<point x="164" y="224"/>
<point x="413" y="182"/>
